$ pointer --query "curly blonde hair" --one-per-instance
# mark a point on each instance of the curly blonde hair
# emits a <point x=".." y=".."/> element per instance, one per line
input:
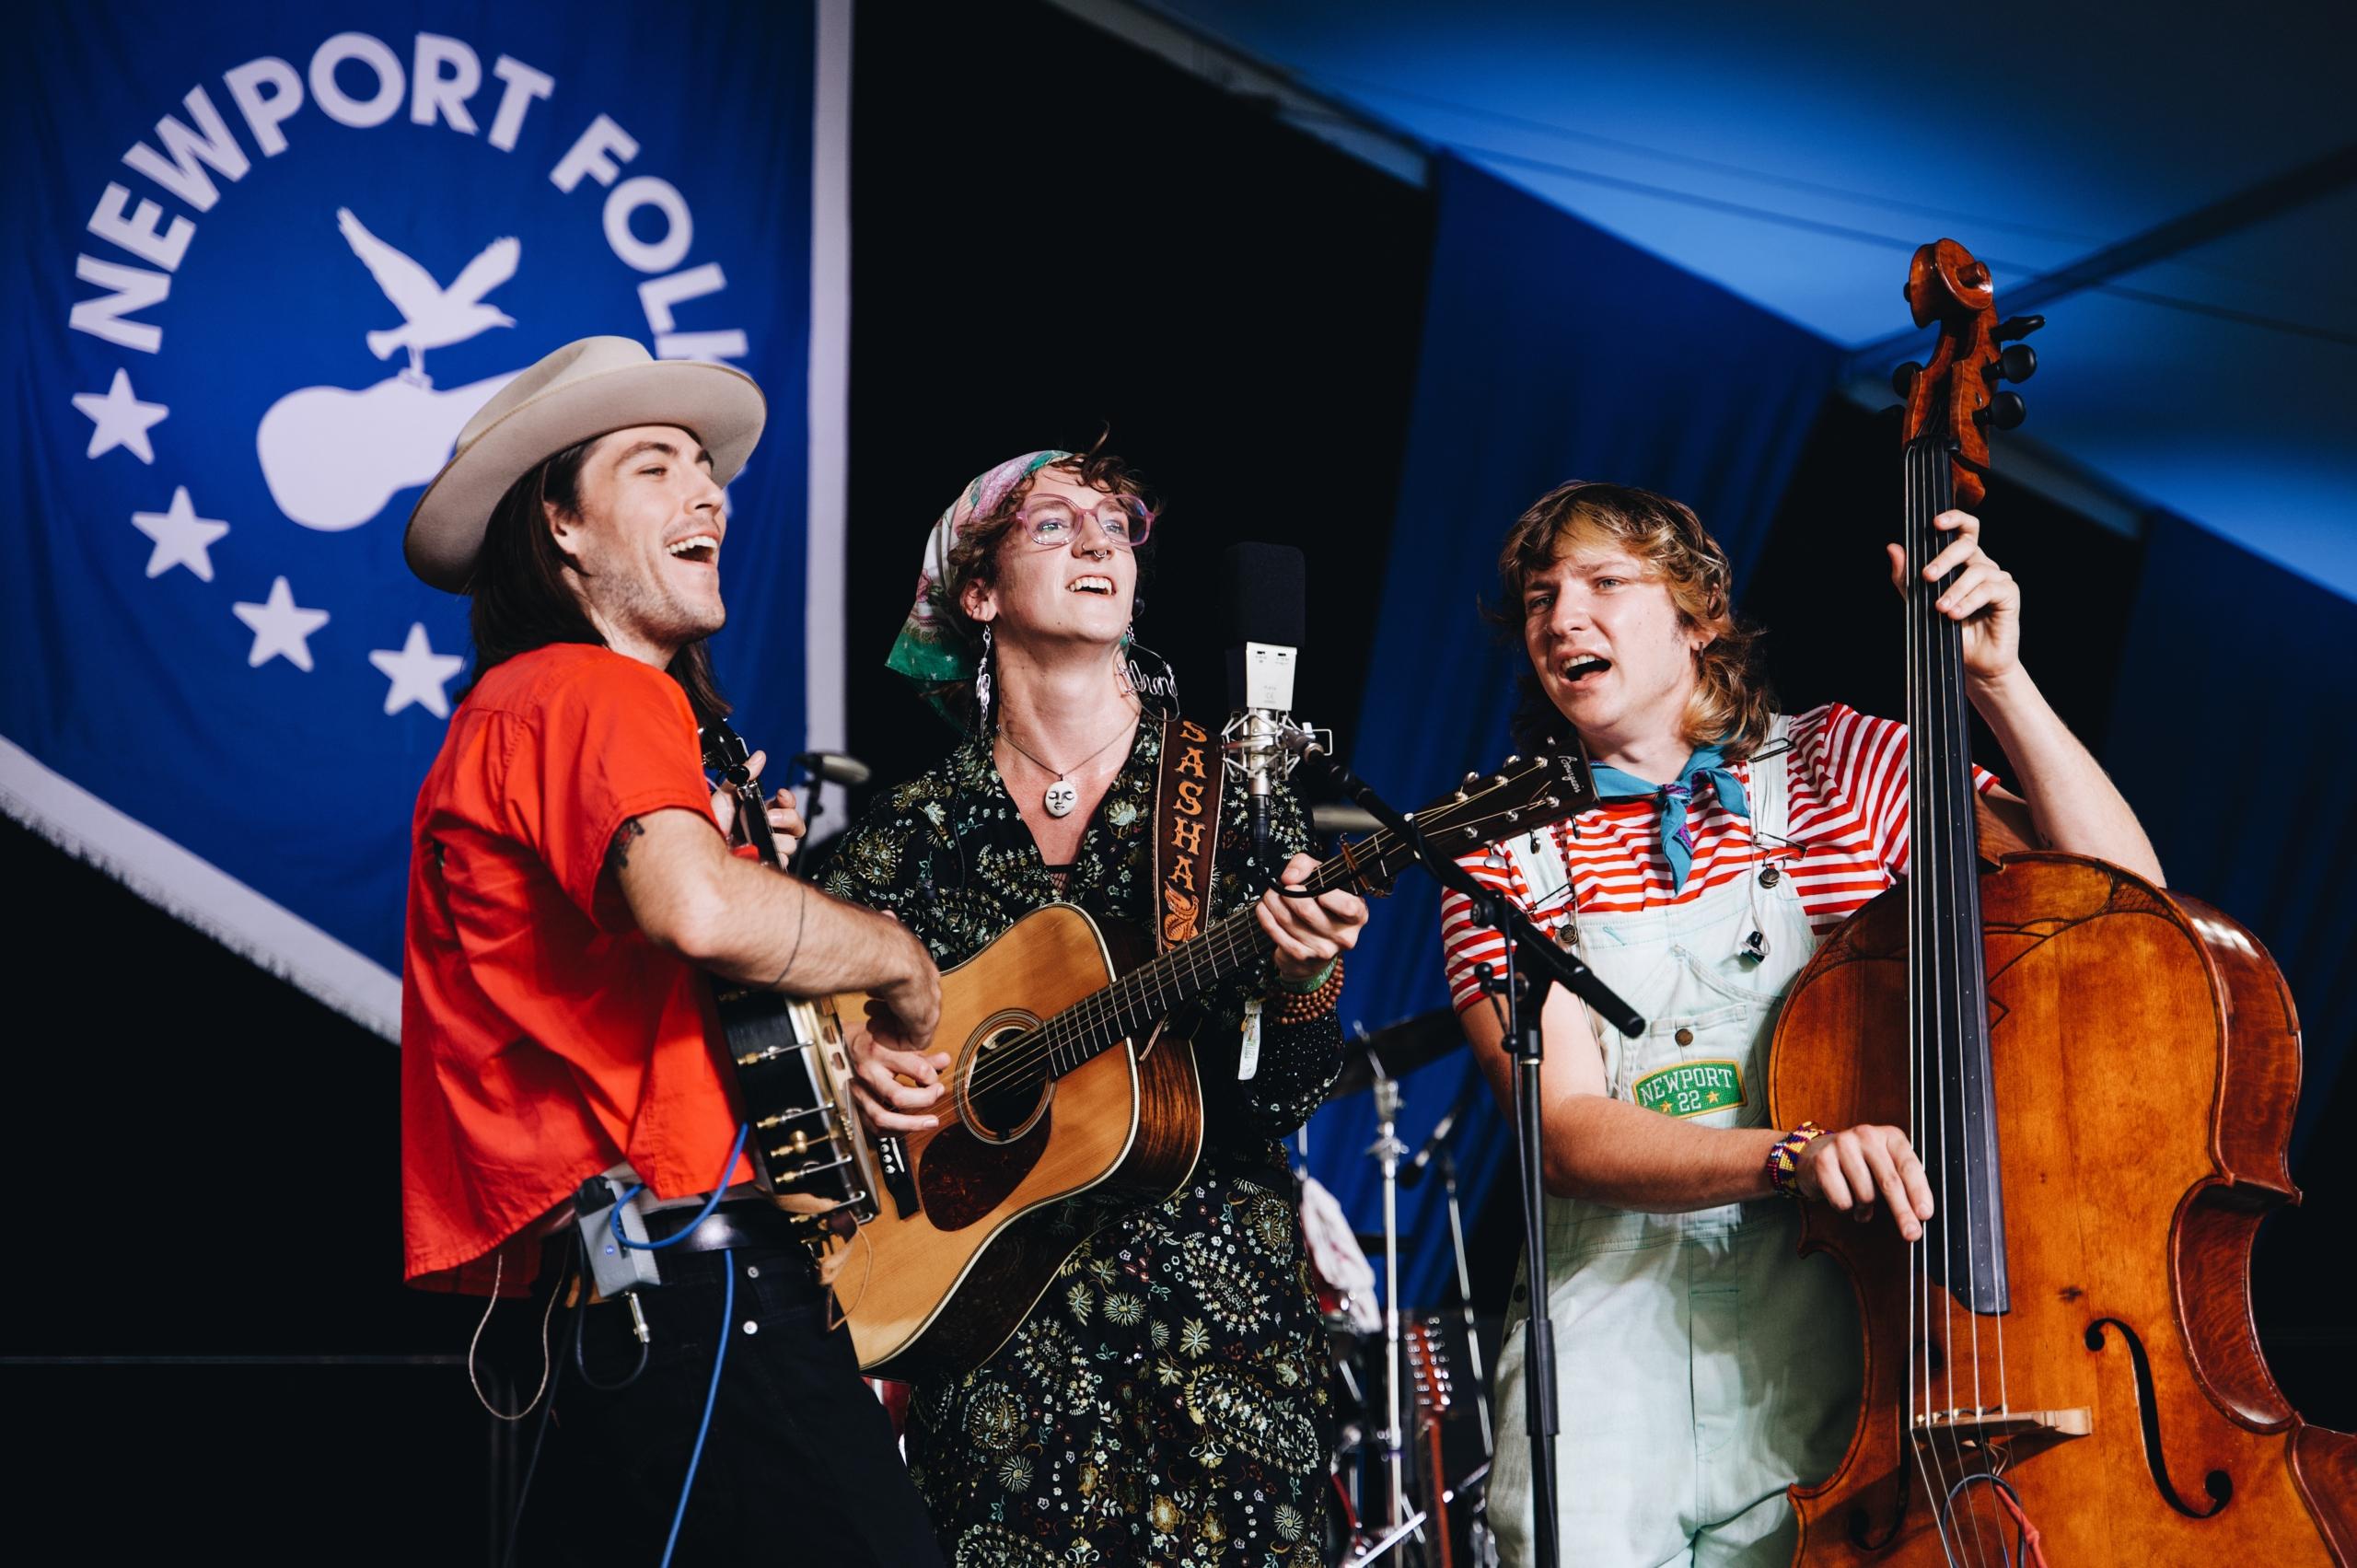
<point x="1731" y="703"/>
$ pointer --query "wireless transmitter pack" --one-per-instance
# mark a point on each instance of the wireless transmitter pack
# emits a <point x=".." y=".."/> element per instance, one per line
<point x="616" y="1269"/>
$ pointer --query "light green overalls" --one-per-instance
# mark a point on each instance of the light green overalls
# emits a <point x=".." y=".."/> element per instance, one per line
<point x="1702" y="1364"/>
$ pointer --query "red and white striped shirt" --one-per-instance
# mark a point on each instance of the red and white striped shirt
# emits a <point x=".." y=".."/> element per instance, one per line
<point x="1846" y="826"/>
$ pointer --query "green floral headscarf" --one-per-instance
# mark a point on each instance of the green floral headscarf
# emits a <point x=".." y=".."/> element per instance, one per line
<point x="931" y="651"/>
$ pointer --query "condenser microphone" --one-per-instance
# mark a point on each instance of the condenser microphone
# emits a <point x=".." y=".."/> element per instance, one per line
<point x="1264" y="621"/>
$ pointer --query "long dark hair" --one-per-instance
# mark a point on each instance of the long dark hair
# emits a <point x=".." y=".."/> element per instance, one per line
<point x="521" y="599"/>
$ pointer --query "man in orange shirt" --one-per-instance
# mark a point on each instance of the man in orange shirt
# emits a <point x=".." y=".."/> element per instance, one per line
<point x="568" y="882"/>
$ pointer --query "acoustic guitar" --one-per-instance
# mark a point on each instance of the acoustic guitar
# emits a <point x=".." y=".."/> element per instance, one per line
<point x="1071" y="1101"/>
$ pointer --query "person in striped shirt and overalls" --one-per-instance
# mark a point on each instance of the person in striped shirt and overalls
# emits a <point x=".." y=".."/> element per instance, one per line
<point x="1714" y="1365"/>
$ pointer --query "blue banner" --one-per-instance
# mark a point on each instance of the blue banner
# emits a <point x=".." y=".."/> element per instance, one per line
<point x="274" y="256"/>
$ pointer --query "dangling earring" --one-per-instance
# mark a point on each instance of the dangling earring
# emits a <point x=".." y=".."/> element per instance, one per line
<point x="1149" y="676"/>
<point x="982" y="683"/>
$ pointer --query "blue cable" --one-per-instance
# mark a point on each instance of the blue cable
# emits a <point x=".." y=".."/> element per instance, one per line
<point x="711" y="1395"/>
<point x="614" y="1218"/>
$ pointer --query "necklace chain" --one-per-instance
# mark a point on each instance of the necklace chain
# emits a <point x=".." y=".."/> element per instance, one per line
<point x="1007" y="735"/>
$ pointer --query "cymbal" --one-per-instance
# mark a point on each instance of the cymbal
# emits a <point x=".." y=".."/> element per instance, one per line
<point x="1401" y="1048"/>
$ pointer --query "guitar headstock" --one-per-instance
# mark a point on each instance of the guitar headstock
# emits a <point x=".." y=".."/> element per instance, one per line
<point x="1955" y="395"/>
<point x="1526" y="792"/>
<point x="1428" y="1368"/>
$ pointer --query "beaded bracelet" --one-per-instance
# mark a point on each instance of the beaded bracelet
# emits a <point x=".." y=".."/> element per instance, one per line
<point x="1784" y="1159"/>
<point x="1303" y="1006"/>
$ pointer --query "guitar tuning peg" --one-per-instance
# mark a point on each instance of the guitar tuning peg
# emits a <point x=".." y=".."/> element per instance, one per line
<point x="1512" y="759"/>
<point x="1472" y="779"/>
<point x="2018" y="363"/>
<point x="2016" y="327"/>
<point x="1903" y="379"/>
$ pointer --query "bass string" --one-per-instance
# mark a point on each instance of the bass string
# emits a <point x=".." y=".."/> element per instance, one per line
<point x="1972" y="1023"/>
<point x="1922" y="1429"/>
<point x="1956" y="888"/>
<point x="1932" y="980"/>
<point x="1950" y="889"/>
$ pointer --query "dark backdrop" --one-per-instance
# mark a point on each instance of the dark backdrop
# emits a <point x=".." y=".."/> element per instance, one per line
<point x="1051" y="232"/>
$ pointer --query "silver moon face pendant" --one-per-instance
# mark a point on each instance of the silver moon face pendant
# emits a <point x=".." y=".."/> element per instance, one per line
<point x="1061" y="798"/>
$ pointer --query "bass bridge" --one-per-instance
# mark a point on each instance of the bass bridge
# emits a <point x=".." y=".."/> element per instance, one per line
<point x="2009" y="1434"/>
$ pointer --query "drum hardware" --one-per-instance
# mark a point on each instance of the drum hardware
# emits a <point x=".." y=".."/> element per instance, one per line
<point x="1384" y="1054"/>
<point x="1398" y="1049"/>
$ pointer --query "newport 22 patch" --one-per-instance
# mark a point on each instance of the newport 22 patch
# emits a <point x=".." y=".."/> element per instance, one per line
<point x="1691" y="1089"/>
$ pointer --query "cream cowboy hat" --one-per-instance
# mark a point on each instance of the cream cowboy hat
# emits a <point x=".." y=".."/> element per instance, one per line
<point x="582" y="390"/>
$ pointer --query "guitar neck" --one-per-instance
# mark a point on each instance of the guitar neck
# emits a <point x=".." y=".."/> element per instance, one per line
<point x="753" y="824"/>
<point x="1527" y="793"/>
<point x="1150" y="992"/>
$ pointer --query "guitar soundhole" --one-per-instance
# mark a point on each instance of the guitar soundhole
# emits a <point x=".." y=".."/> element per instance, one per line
<point x="1005" y="1087"/>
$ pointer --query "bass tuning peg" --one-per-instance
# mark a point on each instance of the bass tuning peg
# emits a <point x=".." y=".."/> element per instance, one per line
<point x="1902" y="378"/>
<point x="2005" y="411"/>
<point x="2014" y="327"/>
<point x="2018" y="363"/>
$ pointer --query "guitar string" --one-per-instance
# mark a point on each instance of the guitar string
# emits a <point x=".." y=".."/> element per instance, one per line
<point x="1099" y="1020"/>
<point x="1120" y="1010"/>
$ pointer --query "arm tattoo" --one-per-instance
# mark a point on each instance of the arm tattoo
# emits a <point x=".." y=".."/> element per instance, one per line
<point x="618" y="853"/>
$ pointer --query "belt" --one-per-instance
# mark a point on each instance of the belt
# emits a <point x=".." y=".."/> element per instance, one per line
<point x="736" y="1223"/>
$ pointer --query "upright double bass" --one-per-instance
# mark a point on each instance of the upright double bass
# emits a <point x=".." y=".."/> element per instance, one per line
<point x="2099" y="1076"/>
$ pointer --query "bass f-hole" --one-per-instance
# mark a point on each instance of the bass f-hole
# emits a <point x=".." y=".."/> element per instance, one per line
<point x="2217" y="1484"/>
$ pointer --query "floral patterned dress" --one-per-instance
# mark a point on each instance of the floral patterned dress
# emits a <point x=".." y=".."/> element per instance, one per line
<point x="1166" y="1401"/>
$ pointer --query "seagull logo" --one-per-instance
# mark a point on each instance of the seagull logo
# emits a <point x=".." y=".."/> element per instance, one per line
<point x="335" y="456"/>
<point x="432" y="316"/>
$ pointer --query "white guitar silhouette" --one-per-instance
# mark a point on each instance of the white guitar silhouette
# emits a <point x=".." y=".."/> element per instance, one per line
<point x="335" y="456"/>
<point x="432" y="316"/>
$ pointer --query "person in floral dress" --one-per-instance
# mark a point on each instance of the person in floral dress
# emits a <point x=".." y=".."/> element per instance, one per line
<point x="1166" y="1400"/>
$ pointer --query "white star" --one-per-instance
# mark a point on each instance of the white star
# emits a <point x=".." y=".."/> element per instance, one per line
<point x="122" y="420"/>
<point x="280" y="627"/>
<point x="183" y="538"/>
<point x="417" y="673"/>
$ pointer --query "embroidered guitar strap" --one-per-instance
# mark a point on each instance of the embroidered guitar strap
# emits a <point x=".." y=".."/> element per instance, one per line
<point x="1186" y="830"/>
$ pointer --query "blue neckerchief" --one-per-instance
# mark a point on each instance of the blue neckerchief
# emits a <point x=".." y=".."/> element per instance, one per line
<point x="1676" y="839"/>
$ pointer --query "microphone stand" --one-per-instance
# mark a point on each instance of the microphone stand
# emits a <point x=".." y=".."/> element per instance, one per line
<point x="1387" y="1150"/>
<point x="1533" y="963"/>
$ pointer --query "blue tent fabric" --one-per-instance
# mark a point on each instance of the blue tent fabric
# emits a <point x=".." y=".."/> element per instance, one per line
<point x="1551" y="350"/>
<point x="2274" y="856"/>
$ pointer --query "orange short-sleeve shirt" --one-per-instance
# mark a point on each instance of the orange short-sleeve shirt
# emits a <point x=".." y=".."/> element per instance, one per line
<point x="543" y="1037"/>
